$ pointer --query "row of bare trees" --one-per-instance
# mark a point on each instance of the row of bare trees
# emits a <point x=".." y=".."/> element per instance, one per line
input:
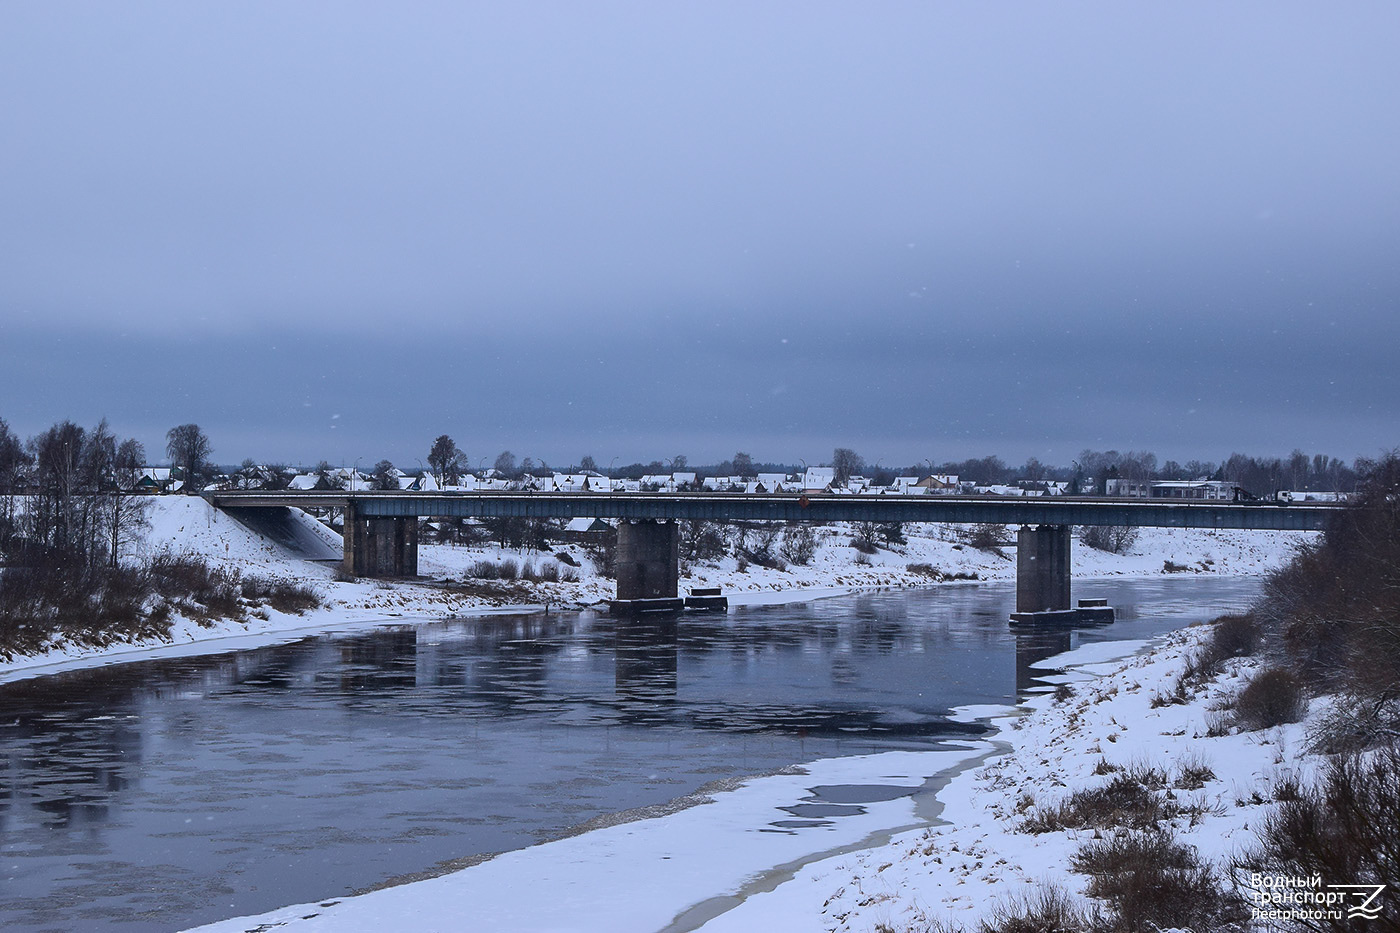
<point x="75" y="510"/>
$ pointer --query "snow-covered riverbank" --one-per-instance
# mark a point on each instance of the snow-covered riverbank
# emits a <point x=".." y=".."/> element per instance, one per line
<point x="190" y="526"/>
<point x="910" y="839"/>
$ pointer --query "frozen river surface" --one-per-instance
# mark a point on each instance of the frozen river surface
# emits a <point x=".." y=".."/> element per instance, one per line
<point x="158" y="795"/>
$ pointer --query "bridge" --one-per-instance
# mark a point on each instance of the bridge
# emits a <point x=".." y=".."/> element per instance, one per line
<point x="381" y="528"/>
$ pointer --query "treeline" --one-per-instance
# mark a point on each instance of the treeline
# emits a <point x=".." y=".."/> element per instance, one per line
<point x="1334" y="612"/>
<point x="1088" y="473"/>
<point x="74" y="511"/>
<point x="69" y="523"/>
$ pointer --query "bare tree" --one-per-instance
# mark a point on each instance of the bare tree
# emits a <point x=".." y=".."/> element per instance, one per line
<point x="505" y="463"/>
<point x="278" y="477"/>
<point x="189" y="449"/>
<point x="743" y="466"/>
<point x="1110" y="538"/>
<point x="847" y="463"/>
<point x="52" y="517"/>
<point x="799" y="544"/>
<point x="384" y="476"/>
<point x="446" y="461"/>
<point x="128" y="513"/>
<point x="14" y="465"/>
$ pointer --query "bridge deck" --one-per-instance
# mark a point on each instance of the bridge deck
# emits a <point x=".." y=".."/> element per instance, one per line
<point x="793" y="508"/>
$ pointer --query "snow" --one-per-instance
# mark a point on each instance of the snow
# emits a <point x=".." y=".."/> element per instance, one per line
<point x="637" y="876"/>
<point x="949" y="853"/>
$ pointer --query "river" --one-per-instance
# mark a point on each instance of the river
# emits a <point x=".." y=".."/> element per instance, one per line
<point x="157" y="795"/>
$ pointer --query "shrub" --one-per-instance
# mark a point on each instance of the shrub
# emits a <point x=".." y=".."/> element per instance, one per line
<point x="564" y="557"/>
<point x="862" y="560"/>
<point x="865" y="536"/>
<point x="892" y="533"/>
<point x="1234" y="636"/>
<point x="700" y="540"/>
<point x="484" y="570"/>
<point x="281" y="595"/>
<point x="1335" y="608"/>
<point x="604" y="557"/>
<point x="1124" y="801"/>
<point x="1346" y="829"/>
<point x="1273" y="697"/>
<point x="510" y="570"/>
<point x="1109" y="538"/>
<point x="1153" y="882"/>
<point x="568" y="575"/>
<point x="548" y="573"/>
<point x="1218" y="724"/>
<point x="1049" y="910"/>
<point x="987" y="537"/>
<point x="799" y="544"/>
<point x="1146" y="776"/>
<point x="1192" y="774"/>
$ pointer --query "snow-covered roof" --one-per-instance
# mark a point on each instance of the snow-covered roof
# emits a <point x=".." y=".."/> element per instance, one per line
<point x="586" y="524"/>
<point x="304" y="481"/>
<point x="818" y="477"/>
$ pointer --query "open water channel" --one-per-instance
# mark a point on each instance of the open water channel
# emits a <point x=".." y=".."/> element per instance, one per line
<point x="158" y="795"/>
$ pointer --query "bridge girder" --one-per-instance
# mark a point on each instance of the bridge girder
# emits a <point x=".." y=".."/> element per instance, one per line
<point x="818" y="508"/>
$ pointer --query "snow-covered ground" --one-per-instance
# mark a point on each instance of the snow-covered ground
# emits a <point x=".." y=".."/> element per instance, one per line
<point x="189" y="525"/>
<point x="725" y="865"/>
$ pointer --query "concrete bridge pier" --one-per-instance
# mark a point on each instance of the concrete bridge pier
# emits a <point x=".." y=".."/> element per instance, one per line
<point x="380" y="547"/>
<point x="1042" y="568"/>
<point x="647" y="563"/>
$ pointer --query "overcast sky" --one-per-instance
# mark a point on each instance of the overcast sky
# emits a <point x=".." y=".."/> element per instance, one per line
<point x="632" y="230"/>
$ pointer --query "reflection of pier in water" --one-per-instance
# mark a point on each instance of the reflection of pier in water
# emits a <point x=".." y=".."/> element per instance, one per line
<point x="646" y="665"/>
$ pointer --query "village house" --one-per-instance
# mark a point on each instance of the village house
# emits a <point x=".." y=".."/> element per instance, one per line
<point x="818" y="479"/>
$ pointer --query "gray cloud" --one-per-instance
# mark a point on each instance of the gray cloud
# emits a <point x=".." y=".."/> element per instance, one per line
<point x="923" y="230"/>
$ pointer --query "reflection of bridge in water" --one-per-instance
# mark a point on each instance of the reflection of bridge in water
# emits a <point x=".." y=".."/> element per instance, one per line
<point x="77" y="729"/>
<point x="381" y="528"/>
